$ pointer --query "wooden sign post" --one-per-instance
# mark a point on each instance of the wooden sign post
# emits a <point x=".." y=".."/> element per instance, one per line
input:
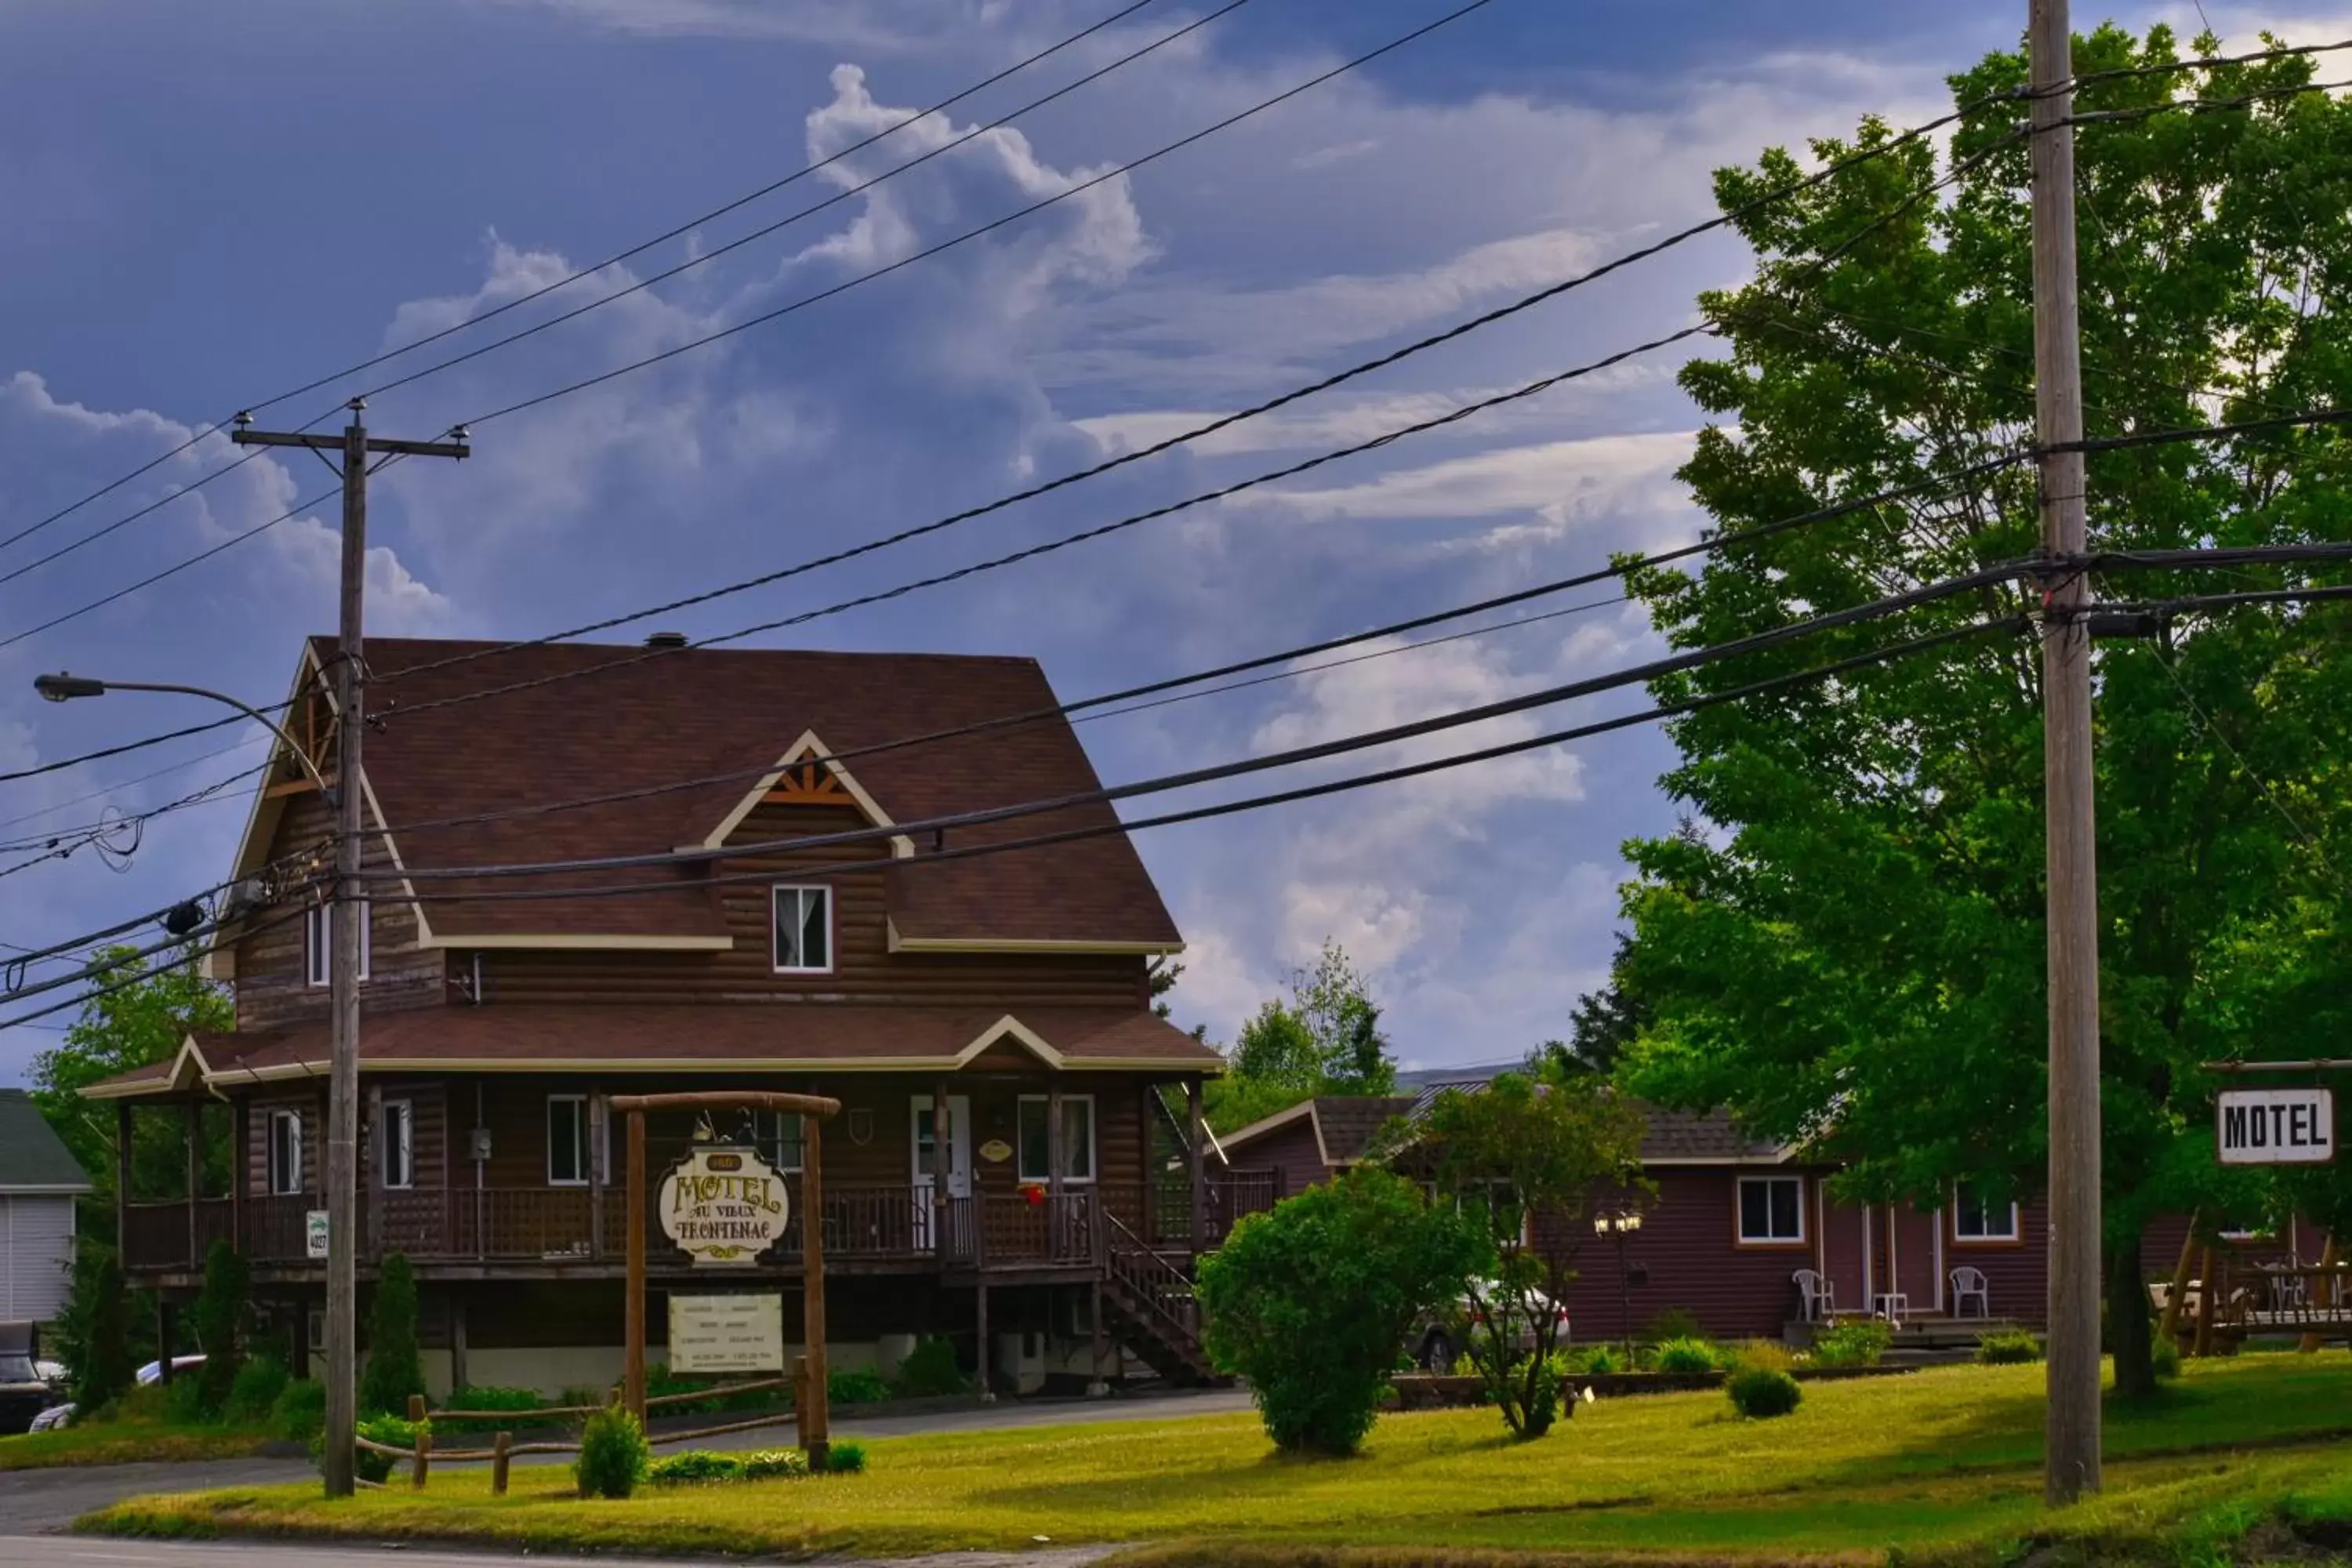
<point x="809" y="1410"/>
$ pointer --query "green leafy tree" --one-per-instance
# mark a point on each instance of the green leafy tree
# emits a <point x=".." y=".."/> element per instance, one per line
<point x="1855" y="954"/>
<point x="92" y="1334"/>
<point x="1324" y="1038"/>
<point x="145" y="1022"/>
<point x="1311" y="1300"/>
<point x="1606" y="1023"/>
<point x="1528" y="1157"/>
<point x="222" y="1313"/>
<point x="395" y="1370"/>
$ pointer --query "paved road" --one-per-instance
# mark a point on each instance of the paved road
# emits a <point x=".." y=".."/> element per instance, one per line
<point x="36" y="1501"/>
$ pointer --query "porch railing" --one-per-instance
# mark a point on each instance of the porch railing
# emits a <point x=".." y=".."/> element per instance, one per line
<point x="561" y="1224"/>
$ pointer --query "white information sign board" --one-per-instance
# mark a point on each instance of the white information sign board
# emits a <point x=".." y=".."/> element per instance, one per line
<point x="2276" y="1126"/>
<point x="731" y="1333"/>
<point x="314" y="1233"/>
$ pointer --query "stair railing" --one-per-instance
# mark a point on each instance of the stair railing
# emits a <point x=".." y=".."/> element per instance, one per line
<point x="1153" y="1281"/>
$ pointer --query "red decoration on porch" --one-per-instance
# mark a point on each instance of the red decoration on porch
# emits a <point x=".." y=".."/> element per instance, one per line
<point x="1035" y="1193"/>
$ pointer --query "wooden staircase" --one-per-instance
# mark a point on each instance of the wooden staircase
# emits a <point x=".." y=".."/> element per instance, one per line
<point x="1152" y="1309"/>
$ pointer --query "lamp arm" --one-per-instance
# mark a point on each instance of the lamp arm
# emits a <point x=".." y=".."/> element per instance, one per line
<point x="256" y="714"/>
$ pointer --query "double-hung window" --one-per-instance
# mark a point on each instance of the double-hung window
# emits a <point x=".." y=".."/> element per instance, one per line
<point x="777" y="1136"/>
<point x="1771" y="1211"/>
<point x="1977" y="1216"/>
<point x="1078" y="1138"/>
<point x="284" y="1152"/>
<point x="397" y="1129"/>
<point x="319" y="943"/>
<point x="803" y="928"/>
<point x="572" y="1161"/>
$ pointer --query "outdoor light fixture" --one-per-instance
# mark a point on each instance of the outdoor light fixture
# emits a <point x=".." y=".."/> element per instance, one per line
<point x="64" y="687"/>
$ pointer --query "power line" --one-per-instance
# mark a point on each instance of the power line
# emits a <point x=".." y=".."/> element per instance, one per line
<point x="541" y="292"/>
<point x="103" y="790"/>
<point x="115" y="987"/>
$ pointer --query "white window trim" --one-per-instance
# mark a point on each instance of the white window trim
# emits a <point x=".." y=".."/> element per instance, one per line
<point x="832" y="936"/>
<point x="319" y="935"/>
<point x="407" y="1144"/>
<point x="2016" y="1231"/>
<point x="592" y="1158"/>
<point x="1740" y="1214"/>
<point x="269" y="1155"/>
<point x="768" y="1147"/>
<point x="1094" y="1141"/>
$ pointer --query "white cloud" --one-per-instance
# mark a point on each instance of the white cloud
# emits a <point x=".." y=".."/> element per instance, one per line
<point x="1559" y="482"/>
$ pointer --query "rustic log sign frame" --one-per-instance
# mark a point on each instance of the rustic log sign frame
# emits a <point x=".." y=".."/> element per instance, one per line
<point x="810" y="1409"/>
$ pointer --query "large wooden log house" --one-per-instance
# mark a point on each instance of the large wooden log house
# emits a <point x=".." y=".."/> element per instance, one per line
<point x="1018" y="1162"/>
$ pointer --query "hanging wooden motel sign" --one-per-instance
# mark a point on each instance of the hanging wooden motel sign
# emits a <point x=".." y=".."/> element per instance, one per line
<point x="723" y="1205"/>
<point x="2276" y="1126"/>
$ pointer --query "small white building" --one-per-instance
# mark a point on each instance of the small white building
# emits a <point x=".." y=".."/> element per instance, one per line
<point x="39" y="1179"/>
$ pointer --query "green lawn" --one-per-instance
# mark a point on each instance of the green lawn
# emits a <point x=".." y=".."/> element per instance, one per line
<point x="126" y="1443"/>
<point x="1939" y="1465"/>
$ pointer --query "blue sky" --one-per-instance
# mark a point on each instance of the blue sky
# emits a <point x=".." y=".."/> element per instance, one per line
<point x="203" y="205"/>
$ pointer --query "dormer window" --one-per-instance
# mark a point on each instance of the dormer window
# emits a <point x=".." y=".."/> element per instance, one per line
<point x="803" y="928"/>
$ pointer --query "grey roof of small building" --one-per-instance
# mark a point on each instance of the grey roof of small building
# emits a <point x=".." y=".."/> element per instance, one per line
<point x="33" y="1158"/>
<point x="1346" y="1122"/>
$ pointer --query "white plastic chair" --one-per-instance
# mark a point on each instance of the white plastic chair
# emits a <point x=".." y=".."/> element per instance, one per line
<point x="1968" y="1284"/>
<point x="1817" y="1297"/>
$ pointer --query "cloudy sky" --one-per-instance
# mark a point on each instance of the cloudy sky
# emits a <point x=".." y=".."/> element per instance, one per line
<point x="202" y="206"/>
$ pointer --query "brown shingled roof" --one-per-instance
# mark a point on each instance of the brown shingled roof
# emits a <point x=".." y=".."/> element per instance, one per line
<point x="705" y="711"/>
<point x="778" y="1039"/>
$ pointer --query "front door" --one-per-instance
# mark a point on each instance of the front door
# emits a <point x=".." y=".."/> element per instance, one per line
<point x="922" y="1145"/>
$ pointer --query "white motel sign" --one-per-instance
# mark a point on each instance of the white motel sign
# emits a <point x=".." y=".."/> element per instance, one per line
<point x="723" y="1205"/>
<point x="2276" y="1126"/>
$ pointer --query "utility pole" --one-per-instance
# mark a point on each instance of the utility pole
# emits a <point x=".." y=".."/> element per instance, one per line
<point x="357" y="446"/>
<point x="2070" y="1466"/>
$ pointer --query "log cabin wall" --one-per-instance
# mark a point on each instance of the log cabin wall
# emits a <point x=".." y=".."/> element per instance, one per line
<point x="272" y="956"/>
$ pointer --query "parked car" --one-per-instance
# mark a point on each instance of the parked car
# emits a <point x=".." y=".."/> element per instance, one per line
<point x="1441" y="1339"/>
<point x="23" y="1393"/>
<point x="153" y="1371"/>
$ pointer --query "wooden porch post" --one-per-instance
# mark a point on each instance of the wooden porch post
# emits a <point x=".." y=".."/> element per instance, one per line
<point x="599" y="1159"/>
<point x="815" y="1416"/>
<point x="632" y="1385"/>
<point x="987" y="1360"/>
<point x="163" y="1326"/>
<point x="1196" y="1138"/>
<point x="458" y="1378"/>
<point x="122" y="1180"/>
<point x="942" y="1129"/>
<point x="195" y="1140"/>
<point x="239" y="1166"/>
<point x="1099" y="1388"/>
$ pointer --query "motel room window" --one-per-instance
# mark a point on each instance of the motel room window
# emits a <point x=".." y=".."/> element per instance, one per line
<point x="319" y="943"/>
<point x="397" y="1130"/>
<point x="776" y="1134"/>
<point x="1771" y="1210"/>
<point x="803" y="930"/>
<point x="284" y="1152"/>
<point x="569" y="1159"/>
<point x="1976" y="1216"/>
<point x="1078" y="1138"/>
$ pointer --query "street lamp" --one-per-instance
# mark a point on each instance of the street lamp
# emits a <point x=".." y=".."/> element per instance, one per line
<point x="1621" y="1223"/>
<point x="64" y="687"/>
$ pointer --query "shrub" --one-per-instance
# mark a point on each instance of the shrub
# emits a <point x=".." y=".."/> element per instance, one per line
<point x="2008" y="1347"/>
<point x="1765" y="1355"/>
<point x="930" y="1370"/>
<point x="492" y="1397"/>
<point x="393" y="1431"/>
<point x="221" y="1311"/>
<point x="588" y="1396"/>
<point x="1685" y="1355"/>
<point x="394" y="1371"/>
<point x="769" y="1464"/>
<point x="1857" y="1343"/>
<point x="614" y="1454"/>
<point x="1760" y="1394"/>
<point x="300" y="1412"/>
<point x="184" y="1400"/>
<point x="660" y="1379"/>
<point x="1540" y="1387"/>
<point x="1673" y="1323"/>
<point x="94" y="1332"/>
<point x="845" y="1459"/>
<point x="695" y="1468"/>
<point x="1599" y="1360"/>
<point x="254" y="1392"/>
<point x="858" y="1387"/>
<point x="2164" y="1357"/>
<point x="1310" y="1299"/>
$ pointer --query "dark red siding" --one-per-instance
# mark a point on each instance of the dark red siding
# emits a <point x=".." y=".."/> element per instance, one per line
<point x="1686" y="1256"/>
